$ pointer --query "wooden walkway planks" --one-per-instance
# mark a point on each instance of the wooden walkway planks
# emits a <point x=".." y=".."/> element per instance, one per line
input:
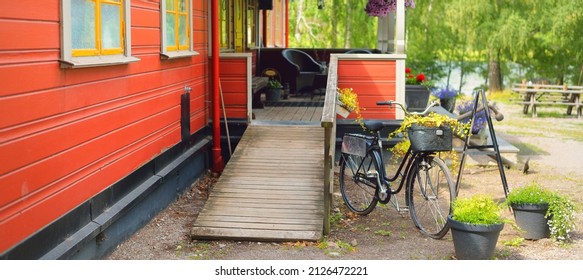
<point x="271" y="188"/>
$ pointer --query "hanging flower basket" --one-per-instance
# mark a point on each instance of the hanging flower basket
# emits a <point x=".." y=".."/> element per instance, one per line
<point x="341" y="109"/>
<point x="380" y="8"/>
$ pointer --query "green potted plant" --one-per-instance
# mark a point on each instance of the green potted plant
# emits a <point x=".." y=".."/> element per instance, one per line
<point x="542" y="213"/>
<point x="475" y="225"/>
<point x="274" y="90"/>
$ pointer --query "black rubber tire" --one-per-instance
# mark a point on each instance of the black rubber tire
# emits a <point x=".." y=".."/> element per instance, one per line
<point x="359" y="195"/>
<point x="430" y="193"/>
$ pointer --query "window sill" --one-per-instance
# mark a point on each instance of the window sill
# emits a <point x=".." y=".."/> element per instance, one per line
<point x="178" y="54"/>
<point x="97" y="61"/>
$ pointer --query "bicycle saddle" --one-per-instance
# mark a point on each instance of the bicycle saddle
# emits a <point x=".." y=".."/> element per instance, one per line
<point x="373" y="126"/>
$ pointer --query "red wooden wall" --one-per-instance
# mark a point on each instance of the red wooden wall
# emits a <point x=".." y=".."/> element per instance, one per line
<point x="68" y="134"/>
<point x="234" y="74"/>
<point x="372" y="80"/>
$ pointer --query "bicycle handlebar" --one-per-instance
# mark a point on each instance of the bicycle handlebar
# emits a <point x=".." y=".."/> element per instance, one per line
<point x="497" y="114"/>
<point x="391" y="102"/>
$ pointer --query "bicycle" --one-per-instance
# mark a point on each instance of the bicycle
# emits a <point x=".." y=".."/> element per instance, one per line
<point x="429" y="191"/>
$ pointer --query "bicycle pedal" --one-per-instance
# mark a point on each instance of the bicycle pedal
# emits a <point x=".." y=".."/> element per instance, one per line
<point x="403" y="210"/>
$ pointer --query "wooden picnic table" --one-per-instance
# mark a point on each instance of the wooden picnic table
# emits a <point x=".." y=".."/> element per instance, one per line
<point x="537" y="95"/>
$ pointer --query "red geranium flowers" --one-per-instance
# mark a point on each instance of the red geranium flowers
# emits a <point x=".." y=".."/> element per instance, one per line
<point x="413" y="79"/>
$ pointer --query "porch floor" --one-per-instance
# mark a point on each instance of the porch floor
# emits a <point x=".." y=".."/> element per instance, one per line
<point x="271" y="188"/>
<point x="301" y="109"/>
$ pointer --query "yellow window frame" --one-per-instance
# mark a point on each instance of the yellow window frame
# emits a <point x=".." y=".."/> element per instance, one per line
<point x="99" y="50"/>
<point x="177" y="14"/>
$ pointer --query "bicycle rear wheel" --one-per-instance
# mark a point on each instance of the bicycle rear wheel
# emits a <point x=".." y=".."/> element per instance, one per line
<point x="430" y="192"/>
<point x="358" y="183"/>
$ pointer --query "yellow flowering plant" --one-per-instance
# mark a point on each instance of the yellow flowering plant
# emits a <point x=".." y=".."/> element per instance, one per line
<point x="431" y="120"/>
<point x="349" y="100"/>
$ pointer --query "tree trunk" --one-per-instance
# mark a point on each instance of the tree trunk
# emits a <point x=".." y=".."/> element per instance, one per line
<point x="494" y="73"/>
<point x="347" y="26"/>
<point x="335" y="3"/>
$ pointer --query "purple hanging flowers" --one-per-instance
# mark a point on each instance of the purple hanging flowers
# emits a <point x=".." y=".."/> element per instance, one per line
<point x="380" y="8"/>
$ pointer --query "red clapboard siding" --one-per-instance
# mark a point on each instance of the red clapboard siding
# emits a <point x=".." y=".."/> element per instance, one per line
<point x="49" y="141"/>
<point x="75" y="132"/>
<point x="47" y="103"/>
<point x="46" y="35"/>
<point x="145" y="36"/>
<point x="17" y="227"/>
<point x="43" y="172"/>
<point x="233" y="75"/>
<point x="144" y="16"/>
<point x="46" y="10"/>
<point x="373" y="81"/>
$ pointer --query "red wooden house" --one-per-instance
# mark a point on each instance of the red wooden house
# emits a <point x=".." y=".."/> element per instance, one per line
<point x="110" y="108"/>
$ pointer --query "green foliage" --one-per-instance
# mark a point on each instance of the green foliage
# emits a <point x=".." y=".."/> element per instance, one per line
<point x="431" y="120"/>
<point x="516" y="242"/>
<point x="542" y="38"/>
<point x="384" y="232"/>
<point x="561" y="211"/>
<point x="341" y="24"/>
<point x="274" y="84"/>
<point x="532" y="193"/>
<point x="478" y="210"/>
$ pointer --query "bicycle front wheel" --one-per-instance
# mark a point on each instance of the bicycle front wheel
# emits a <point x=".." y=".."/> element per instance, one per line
<point x="358" y="183"/>
<point x="430" y="193"/>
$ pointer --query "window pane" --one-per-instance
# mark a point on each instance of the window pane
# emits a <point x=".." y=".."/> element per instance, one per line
<point x="182" y="29"/>
<point x="182" y="4"/>
<point x="170" y="30"/>
<point x="170" y="5"/>
<point x="110" y="26"/>
<point x="83" y="24"/>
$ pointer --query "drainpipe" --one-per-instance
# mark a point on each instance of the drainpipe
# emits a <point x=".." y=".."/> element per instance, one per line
<point x="218" y="163"/>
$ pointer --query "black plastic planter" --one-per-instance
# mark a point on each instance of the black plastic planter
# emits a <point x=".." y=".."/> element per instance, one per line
<point x="531" y="219"/>
<point x="474" y="242"/>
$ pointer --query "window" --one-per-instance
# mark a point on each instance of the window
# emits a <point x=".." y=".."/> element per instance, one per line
<point x="238" y="24"/>
<point x="226" y="24"/>
<point x="176" y="28"/>
<point x="252" y="16"/>
<point x="95" y="33"/>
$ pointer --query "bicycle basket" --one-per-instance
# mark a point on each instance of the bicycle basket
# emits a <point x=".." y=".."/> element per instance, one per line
<point x="430" y="139"/>
<point x="354" y="145"/>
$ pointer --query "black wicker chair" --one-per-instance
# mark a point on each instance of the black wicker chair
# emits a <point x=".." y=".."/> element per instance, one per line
<point x="305" y="70"/>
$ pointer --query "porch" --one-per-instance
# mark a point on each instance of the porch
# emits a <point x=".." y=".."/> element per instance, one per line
<point x="278" y="183"/>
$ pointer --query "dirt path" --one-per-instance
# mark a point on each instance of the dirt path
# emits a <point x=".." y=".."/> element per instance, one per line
<point x="553" y="145"/>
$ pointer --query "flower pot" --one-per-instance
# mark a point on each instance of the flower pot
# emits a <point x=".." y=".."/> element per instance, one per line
<point x="273" y="94"/>
<point x="531" y="219"/>
<point x="341" y="110"/>
<point x="448" y="104"/>
<point x="474" y="242"/>
<point x="416" y="97"/>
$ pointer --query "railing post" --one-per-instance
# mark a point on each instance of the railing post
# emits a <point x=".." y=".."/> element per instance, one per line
<point x="329" y="125"/>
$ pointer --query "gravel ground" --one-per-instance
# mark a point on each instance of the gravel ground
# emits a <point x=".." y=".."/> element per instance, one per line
<point x="553" y="145"/>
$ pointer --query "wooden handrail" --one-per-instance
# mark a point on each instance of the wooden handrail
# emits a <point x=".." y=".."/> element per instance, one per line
<point x="329" y="124"/>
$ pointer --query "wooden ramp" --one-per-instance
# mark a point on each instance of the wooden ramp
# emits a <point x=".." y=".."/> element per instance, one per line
<point x="271" y="188"/>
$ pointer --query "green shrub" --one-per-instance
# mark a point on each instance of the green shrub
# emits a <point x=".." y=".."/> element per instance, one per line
<point x="532" y="193"/>
<point x="478" y="210"/>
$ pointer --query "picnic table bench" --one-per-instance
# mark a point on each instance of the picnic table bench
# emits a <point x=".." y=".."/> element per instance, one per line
<point x="536" y="95"/>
